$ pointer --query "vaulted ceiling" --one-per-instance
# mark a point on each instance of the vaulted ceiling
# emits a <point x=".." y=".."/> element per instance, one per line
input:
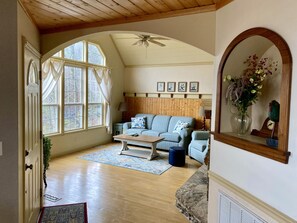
<point x="173" y="52"/>
<point x="60" y="15"/>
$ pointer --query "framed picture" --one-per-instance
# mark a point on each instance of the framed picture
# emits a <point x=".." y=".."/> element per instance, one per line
<point x="182" y="86"/>
<point x="160" y="86"/>
<point x="194" y="87"/>
<point x="171" y="86"/>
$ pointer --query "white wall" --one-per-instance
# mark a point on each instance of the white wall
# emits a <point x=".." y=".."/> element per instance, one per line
<point x="144" y="79"/>
<point x="270" y="181"/>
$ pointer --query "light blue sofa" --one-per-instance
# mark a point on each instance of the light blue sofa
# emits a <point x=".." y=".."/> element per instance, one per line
<point x="163" y="126"/>
<point x="198" y="147"/>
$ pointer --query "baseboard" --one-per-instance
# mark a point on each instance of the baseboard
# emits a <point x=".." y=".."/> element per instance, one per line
<point x="263" y="207"/>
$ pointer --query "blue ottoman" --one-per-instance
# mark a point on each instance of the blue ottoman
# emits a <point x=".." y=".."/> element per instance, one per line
<point x="177" y="156"/>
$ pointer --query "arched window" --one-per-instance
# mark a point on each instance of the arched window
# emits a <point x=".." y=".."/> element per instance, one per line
<point x="72" y="99"/>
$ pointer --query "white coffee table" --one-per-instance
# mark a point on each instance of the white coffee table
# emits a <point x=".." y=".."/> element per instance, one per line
<point x="150" y="141"/>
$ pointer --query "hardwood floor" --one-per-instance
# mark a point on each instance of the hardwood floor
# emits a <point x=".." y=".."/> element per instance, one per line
<point x="115" y="194"/>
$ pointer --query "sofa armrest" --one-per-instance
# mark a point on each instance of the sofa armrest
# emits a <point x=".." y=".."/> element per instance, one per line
<point x="200" y="135"/>
<point x="126" y="126"/>
<point x="185" y="135"/>
<point x="186" y="132"/>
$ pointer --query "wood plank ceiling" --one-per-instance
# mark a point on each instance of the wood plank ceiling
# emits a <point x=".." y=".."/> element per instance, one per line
<point x="59" y="15"/>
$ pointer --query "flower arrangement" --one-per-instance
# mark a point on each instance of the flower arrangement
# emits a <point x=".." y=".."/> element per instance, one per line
<point x="245" y="90"/>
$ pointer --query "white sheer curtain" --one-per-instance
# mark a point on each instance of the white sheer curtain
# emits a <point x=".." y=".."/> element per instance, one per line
<point x="104" y="80"/>
<point x="51" y="72"/>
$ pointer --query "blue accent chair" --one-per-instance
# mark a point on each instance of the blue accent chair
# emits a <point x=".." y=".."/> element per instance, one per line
<point x="198" y="147"/>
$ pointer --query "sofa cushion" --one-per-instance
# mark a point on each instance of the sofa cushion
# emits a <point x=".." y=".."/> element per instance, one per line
<point x="133" y="131"/>
<point x="138" y="122"/>
<point x="198" y="144"/>
<point x="150" y="133"/>
<point x="175" y="119"/>
<point x="172" y="137"/>
<point x="160" y="123"/>
<point x="149" y="119"/>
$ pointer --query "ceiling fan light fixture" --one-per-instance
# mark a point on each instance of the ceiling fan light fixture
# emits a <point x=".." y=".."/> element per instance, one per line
<point x="144" y="40"/>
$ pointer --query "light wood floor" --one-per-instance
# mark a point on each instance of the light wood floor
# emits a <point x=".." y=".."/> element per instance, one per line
<point x="115" y="194"/>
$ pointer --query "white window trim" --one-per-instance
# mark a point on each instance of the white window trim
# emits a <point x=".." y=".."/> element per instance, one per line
<point x="85" y="65"/>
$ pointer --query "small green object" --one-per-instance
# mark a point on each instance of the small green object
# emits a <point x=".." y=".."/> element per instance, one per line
<point x="273" y="113"/>
<point x="47" y="145"/>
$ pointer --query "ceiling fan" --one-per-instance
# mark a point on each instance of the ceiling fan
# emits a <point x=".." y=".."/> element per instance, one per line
<point x="145" y="40"/>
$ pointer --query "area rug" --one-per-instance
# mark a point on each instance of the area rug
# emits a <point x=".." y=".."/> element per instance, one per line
<point x="68" y="213"/>
<point x="109" y="155"/>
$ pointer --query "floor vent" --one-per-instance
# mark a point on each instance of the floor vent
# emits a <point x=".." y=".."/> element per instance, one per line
<point x="231" y="211"/>
<point x="51" y="198"/>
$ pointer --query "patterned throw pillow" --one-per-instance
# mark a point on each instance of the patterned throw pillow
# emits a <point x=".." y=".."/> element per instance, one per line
<point x="180" y="126"/>
<point x="138" y="123"/>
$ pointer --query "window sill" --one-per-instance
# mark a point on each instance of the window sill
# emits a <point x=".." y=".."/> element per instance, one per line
<point x="74" y="131"/>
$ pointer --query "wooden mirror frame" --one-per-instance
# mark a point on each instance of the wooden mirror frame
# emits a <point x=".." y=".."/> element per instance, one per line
<point x="280" y="154"/>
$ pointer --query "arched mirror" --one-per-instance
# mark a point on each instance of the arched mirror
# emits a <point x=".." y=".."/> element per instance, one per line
<point x="253" y="94"/>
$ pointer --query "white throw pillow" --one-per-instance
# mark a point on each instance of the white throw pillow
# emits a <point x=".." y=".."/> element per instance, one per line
<point x="180" y="126"/>
<point x="138" y="123"/>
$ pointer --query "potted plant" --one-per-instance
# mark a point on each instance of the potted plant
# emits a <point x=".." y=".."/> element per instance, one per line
<point x="47" y="145"/>
<point x="244" y="90"/>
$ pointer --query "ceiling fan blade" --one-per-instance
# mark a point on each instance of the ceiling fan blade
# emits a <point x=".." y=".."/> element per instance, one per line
<point x="138" y="42"/>
<point x="145" y="43"/>
<point x="159" y="38"/>
<point x="140" y="36"/>
<point x="155" y="42"/>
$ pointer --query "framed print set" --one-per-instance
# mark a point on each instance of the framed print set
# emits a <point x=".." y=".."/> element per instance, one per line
<point x="181" y="86"/>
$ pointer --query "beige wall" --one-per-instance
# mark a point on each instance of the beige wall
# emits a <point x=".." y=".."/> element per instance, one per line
<point x="144" y="79"/>
<point x="9" y="112"/>
<point x="270" y="181"/>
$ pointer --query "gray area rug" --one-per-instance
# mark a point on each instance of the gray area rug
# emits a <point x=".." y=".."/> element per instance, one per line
<point x="109" y="155"/>
<point x="191" y="198"/>
<point x="68" y="213"/>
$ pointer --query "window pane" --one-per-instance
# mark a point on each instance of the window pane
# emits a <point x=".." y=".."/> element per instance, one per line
<point x="95" y="100"/>
<point x="94" y="55"/>
<point x="73" y="117"/>
<point x="50" y="119"/>
<point x="50" y="112"/>
<point x="95" y="115"/>
<point x="95" y="95"/>
<point x="53" y="97"/>
<point x="73" y="85"/>
<point x="74" y="52"/>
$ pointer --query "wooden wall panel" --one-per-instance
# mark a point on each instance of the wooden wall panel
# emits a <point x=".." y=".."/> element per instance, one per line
<point x="165" y="106"/>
